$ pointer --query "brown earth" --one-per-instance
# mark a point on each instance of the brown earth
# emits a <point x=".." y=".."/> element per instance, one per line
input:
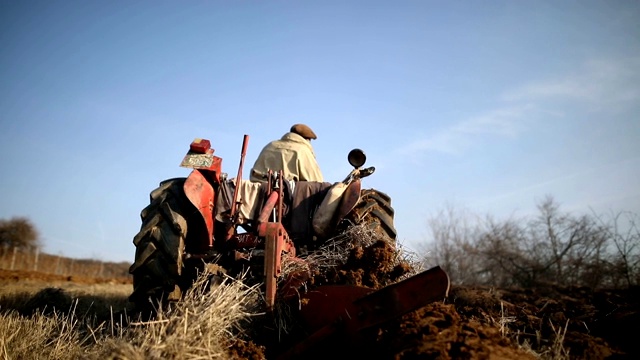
<point x="548" y="322"/>
<point x="8" y="276"/>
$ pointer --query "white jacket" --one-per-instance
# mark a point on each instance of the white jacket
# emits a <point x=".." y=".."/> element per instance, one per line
<point x="293" y="154"/>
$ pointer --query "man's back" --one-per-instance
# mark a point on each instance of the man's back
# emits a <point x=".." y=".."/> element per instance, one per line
<point x="293" y="154"/>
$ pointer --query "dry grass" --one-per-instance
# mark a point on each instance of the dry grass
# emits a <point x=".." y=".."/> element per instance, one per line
<point x="546" y="349"/>
<point x="200" y="327"/>
<point x="336" y="251"/>
<point x="41" y="337"/>
<point x="556" y="350"/>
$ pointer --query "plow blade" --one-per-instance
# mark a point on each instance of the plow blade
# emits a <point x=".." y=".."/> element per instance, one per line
<point x="346" y="310"/>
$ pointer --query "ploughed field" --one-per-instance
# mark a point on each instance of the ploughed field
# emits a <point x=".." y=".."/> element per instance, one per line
<point x="548" y="322"/>
<point x="472" y="323"/>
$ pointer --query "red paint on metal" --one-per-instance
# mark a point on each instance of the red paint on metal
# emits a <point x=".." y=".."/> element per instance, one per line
<point x="200" y="146"/>
<point x="244" y="240"/>
<point x="327" y="303"/>
<point x="276" y="242"/>
<point x="271" y="202"/>
<point x="360" y="307"/>
<point x="348" y="309"/>
<point x="215" y="169"/>
<point x="207" y="162"/>
<point x="236" y="191"/>
<point x="200" y="192"/>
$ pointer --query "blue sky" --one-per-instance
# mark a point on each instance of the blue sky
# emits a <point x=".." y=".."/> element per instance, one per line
<point x="489" y="106"/>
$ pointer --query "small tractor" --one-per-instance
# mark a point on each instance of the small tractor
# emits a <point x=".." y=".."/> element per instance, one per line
<point x="208" y="218"/>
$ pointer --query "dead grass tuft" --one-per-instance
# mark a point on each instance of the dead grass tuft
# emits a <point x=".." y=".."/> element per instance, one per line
<point x="336" y="251"/>
<point x="203" y="326"/>
<point x="53" y="336"/>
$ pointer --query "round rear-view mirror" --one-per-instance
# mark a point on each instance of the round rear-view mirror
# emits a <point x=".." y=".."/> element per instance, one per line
<point x="356" y="158"/>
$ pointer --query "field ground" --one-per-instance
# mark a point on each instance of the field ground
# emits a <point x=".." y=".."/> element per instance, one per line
<point x="473" y="323"/>
<point x="14" y="281"/>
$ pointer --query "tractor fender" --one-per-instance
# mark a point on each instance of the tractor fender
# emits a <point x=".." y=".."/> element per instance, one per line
<point x="322" y="219"/>
<point x="201" y="194"/>
<point x="350" y="198"/>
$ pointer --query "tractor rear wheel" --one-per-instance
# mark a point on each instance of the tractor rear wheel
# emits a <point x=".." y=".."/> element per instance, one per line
<point x="375" y="212"/>
<point x="158" y="267"/>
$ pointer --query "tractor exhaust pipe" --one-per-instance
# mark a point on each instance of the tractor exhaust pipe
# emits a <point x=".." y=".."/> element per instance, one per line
<point x="236" y="192"/>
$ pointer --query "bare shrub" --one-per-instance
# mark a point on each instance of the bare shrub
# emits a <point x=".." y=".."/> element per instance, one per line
<point x="454" y="245"/>
<point x="624" y="264"/>
<point x="503" y="259"/>
<point x="552" y="247"/>
<point x="564" y="246"/>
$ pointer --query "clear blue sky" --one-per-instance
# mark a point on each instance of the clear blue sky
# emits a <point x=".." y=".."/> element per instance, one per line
<point x="486" y="105"/>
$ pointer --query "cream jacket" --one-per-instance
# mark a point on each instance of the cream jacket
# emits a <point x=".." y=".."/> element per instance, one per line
<point x="293" y="154"/>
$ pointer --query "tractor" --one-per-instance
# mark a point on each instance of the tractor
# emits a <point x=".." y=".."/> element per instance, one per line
<point x="239" y="226"/>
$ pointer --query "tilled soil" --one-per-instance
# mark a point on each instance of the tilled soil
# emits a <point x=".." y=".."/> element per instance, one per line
<point x="548" y="322"/>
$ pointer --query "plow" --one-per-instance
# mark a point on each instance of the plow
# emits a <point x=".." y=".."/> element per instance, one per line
<point x="255" y="228"/>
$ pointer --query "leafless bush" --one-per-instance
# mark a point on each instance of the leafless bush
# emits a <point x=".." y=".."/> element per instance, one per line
<point x="624" y="264"/>
<point x="552" y="247"/>
<point x="454" y="244"/>
<point x="565" y="246"/>
<point x="502" y="258"/>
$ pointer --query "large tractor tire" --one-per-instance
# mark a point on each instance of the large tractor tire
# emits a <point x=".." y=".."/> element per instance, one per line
<point x="375" y="212"/>
<point x="158" y="267"/>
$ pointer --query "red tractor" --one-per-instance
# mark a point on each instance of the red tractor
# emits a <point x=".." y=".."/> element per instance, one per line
<point x="208" y="218"/>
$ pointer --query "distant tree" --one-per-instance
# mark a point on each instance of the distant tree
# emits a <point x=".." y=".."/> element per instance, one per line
<point x="19" y="232"/>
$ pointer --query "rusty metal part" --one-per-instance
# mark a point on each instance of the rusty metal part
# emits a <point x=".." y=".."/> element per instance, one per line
<point x="268" y="207"/>
<point x="201" y="194"/>
<point x="203" y="161"/>
<point x="236" y="191"/>
<point x="276" y="242"/>
<point x="200" y="146"/>
<point x="347" y="310"/>
<point x="244" y="240"/>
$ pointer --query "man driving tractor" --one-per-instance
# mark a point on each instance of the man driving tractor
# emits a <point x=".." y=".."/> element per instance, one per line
<point x="292" y="153"/>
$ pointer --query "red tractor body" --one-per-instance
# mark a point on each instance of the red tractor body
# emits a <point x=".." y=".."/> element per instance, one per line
<point x="184" y="227"/>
